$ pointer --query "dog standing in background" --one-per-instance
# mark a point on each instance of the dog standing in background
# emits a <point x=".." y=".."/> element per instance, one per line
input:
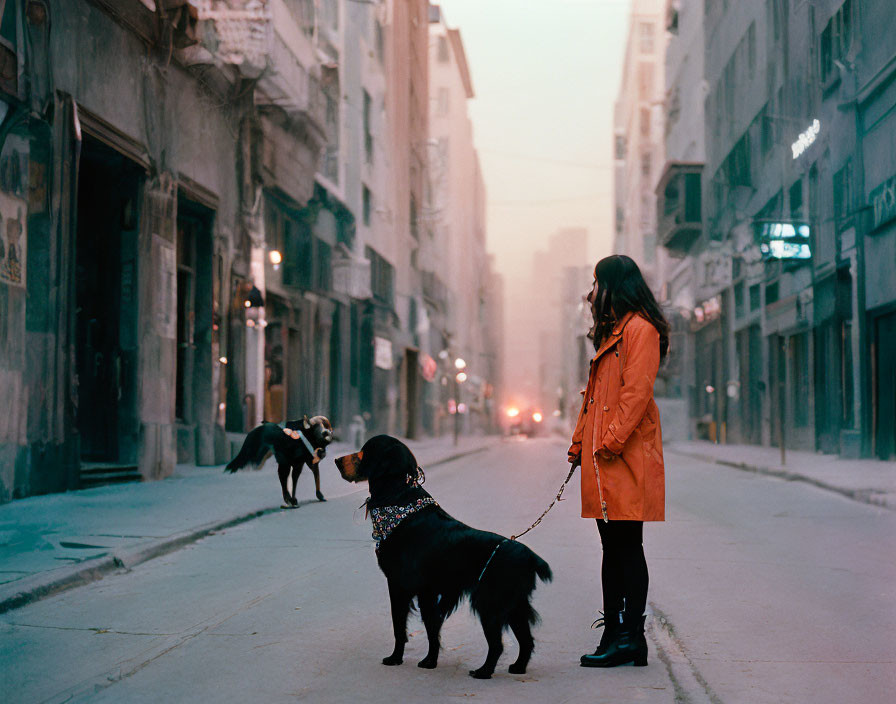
<point x="301" y="442"/>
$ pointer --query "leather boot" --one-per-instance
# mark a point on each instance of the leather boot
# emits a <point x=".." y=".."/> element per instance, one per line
<point x="627" y="646"/>
<point x="610" y="621"/>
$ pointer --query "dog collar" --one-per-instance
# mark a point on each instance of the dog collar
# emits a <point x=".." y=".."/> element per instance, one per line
<point x="299" y="435"/>
<point x="385" y="519"/>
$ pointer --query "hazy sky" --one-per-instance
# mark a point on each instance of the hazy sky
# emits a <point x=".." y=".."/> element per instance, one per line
<point x="545" y="74"/>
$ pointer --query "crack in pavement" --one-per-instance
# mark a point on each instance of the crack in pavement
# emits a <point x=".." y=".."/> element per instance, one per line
<point x="86" y="629"/>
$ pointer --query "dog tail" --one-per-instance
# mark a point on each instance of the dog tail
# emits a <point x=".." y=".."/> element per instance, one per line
<point x="542" y="569"/>
<point x="252" y="452"/>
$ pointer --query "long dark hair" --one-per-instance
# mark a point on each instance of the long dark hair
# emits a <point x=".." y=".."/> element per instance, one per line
<point x="621" y="289"/>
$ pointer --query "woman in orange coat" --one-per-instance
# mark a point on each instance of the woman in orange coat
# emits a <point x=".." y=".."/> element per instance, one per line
<point x="617" y="442"/>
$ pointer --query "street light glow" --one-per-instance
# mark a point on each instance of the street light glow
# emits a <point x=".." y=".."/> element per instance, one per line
<point x="461" y="377"/>
<point x="459" y="363"/>
<point x="537" y="417"/>
<point x="513" y="412"/>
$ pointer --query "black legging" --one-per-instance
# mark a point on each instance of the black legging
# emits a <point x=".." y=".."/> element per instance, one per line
<point x="623" y="572"/>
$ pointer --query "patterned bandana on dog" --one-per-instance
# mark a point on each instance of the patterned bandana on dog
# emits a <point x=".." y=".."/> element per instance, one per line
<point x="386" y="518"/>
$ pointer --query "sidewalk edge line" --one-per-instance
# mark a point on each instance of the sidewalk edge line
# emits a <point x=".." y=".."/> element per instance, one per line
<point x="689" y="684"/>
<point x="861" y="495"/>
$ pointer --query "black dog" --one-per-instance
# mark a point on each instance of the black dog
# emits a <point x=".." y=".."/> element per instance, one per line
<point x="426" y="553"/>
<point x="301" y="442"/>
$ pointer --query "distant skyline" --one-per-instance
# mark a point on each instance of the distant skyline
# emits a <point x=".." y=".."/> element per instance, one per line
<point x="546" y="75"/>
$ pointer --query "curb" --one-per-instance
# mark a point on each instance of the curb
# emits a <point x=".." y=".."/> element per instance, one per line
<point x="865" y="496"/>
<point x="40" y="586"/>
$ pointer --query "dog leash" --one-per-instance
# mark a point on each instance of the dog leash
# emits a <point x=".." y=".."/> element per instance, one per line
<point x="556" y="499"/>
<point x="537" y="521"/>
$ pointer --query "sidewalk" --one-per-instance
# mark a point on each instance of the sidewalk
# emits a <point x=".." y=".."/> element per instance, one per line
<point x="57" y="541"/>
<point x="869" y="481"/>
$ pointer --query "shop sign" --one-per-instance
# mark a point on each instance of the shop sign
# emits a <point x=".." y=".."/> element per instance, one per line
<point x="883" y="203"/>
<point x="12" y="240"/>
<point x="382" y="352"/>
<point x="428" y="367"/>
<point x="708" y="310"/>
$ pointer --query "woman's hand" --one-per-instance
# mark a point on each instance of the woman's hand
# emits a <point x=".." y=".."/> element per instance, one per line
<point x="605" y="454"/>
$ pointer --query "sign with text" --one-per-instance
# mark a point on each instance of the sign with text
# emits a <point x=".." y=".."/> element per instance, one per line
<point x="883" y="203"/>
<point x="382" y="352"/>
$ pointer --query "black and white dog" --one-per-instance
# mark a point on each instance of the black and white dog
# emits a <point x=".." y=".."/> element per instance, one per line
<point x="301" y="442"/>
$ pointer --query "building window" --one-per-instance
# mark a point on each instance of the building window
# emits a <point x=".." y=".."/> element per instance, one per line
<point x="382" y="278"/>
<point x="444" y="101"/>
<point x="754" y="297"/>
<point x="843" y="191"/>
<point x="645" y="80"/>
<point x="443" y="50"/>
<point x="836" y="40"/>
<point x="739" y="309"/>
<point x="368" y="131"/>
<point x="620" y="147"/>
<point x="646" y="37"/>
<point x="645" y="121"/>
<point x="413" y="218"/>
<point x="323" y="270"/>
<point x="737" y="164"/>
<point x="645" y="164"/>
<point x="366" y="204"/>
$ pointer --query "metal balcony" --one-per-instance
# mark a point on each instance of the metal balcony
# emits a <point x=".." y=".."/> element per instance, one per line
<point x="679" y="219"/>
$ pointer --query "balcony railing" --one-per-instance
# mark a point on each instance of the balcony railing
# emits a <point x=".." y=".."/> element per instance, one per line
<point x="679" y="218"/>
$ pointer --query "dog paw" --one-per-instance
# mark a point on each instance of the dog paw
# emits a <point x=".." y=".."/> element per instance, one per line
<point x="320" y="497"/>
<point x="517" y="669"/>
<point x="481" y="674"/>
<point x="392" y="660"/>
<point x="428" y="663"/>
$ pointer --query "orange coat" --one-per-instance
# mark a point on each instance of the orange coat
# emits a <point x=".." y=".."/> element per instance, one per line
<point x="619" y="417"/>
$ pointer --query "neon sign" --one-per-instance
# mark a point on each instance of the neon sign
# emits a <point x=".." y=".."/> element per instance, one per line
<point x="805" y="140"/>
<point x="784" y="240"/>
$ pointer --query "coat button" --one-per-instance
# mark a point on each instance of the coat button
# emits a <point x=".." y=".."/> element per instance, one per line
<point x="606" y="408"/>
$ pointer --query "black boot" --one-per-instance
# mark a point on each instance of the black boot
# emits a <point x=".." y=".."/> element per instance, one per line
<point x="629" y="645"/>
<point x="610" y="621"/>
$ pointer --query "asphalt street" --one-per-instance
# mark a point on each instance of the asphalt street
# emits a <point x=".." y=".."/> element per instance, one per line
<point x="761" y="590"/>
